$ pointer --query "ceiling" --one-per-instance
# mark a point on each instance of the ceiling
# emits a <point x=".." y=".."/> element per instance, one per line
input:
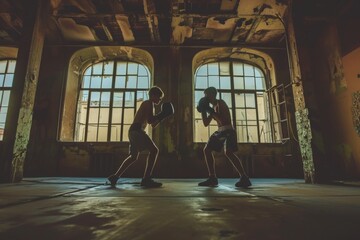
<point x="162" y="22"/>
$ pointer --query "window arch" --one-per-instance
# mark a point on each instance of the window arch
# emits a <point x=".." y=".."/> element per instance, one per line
<point x="243" y="87"/>
<point x="109" y="95"/>
<point x="7" y="69"/>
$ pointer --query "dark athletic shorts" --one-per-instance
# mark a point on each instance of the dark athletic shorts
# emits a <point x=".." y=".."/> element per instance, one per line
<point x="219" y="138"/>
<point x="139" y="140"/>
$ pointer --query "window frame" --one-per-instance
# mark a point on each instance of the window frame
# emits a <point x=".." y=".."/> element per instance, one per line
<point x="232" y="91"/>
<point x="3" y="89"/>
<point x="111" y="90"/>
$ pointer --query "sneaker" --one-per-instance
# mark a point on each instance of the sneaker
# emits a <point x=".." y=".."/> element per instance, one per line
<point x="113" y="179"/>
<point x="244" y="182"/>
<point x="149" y="183"/>
<point x="210" y="182"/>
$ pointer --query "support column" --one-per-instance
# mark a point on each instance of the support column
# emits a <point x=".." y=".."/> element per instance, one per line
<point x="22" y="97"/>
<point x="301" y="112"/>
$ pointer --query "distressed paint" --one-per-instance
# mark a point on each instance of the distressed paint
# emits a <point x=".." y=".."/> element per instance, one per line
<point x="301" y="112"/>
<point x="355" y="110"/>
<point x="24" y="123"/>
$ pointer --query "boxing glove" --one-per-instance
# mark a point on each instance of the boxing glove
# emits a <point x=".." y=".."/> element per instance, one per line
<point x="203" y="106"/>
<point x="167" y="109"/>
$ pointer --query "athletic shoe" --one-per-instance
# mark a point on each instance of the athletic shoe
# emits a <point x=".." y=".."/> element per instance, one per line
<point x="244" y="182"/>
<point x="210" y="182"/>
<point x="113" y="179"/>
<point x="149" y="183"/>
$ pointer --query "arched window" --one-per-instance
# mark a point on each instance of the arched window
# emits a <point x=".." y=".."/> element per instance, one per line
<point x="7" y="69"/>
<point x="242" y="86"/>
<point x="110" y="93"/>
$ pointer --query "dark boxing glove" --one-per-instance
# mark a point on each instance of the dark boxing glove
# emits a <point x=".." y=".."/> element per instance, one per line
<point x="203" y="106"/>
<point x="167" y="109"/>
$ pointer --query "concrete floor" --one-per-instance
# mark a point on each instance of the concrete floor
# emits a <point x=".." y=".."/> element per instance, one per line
<point x="85" y="208"/>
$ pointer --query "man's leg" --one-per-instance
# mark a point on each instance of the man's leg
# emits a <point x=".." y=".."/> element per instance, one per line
<point x="244" y="180"/>
<point x="210" y="163"/>
<point x="125" y="165"/>
<point x="236" y="162"/>
<point x="147" y="181"/>
<point x="151" y="161"/>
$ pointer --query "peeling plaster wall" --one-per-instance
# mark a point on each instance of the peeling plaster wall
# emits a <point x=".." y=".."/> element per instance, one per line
<point x="330" y="82"/>
<point x="172" y="70"/>
<point x="351" y="113"/>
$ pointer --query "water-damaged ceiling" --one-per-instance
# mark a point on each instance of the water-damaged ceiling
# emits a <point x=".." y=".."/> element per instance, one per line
<point x="156" y="22"/>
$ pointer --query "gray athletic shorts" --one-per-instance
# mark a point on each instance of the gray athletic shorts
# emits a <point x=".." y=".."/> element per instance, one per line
<point x="139" y="141"/>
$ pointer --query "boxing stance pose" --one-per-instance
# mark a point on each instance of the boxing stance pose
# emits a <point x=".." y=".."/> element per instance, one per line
<point x="224" y="135"/>
<point x="140" y="141"/>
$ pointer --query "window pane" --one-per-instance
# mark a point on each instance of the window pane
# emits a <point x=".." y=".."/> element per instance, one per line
<point x="103" y="132"/>
<point x="227" y="98"/>
<point x="95" y="82"/>
<point x="201" y="82"/>
<point x="241" y="132"/>
<point x="253" y="134"/>
<point x="92" y="133"/>
<point x="118" y="99"/>
<point x="261" y="107"/>
<point x="250" y="100"/>
<point x="225" y="83"/>
<point x="249" y="83"/>
<point x="198" y="96"/>
<point x="11" y="66"/>
<point x="3" y="112"/>
<point x="201" y="132"/>
<point x="84" y="96"/>
<point x="238" y="69"/>
<point x="132" y="81"/>
<point x="240" y="100"/>
<point x="8" y="80"/>
<point x="88" y="71"/>
<point x="125" y="136"/>
<point x="260" y="84"/>
<point x="143" y="82"/>
<point x="241" y="116"/>
<point x="95" y="99"/>
<point x="3" y="66"/>
<point x="224" y="68"/>
<point x="121" y="68"/>
<point x="86" y="82"/>
<point x="104" y="115"/>
<point x="106" y="82"/>
<point x="6" y="98"/>
<point x="251" y="114"/>
<point x="128" y="115"/>
<point x="202" y="71"/>
<point x="248" y="70"/>
<point x="214" y="81"/>
<point x="258" y="72"/>
<point x="97" y="68"/>
<point x="129" y="99"/>
<point x="94" y="115"/>
<point x="213" y="68"/>
<point x="132" y="68"/>
<point x="115" y="132"/>
<point x="120" y="82"/>
<point x="142" y="71"/>
<point x="116" y="115"/>
<point x="105" y="99"/>
<point x="109" y="68"/>
<point x="2" y="79"/>
<point x="239" y="83"/>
